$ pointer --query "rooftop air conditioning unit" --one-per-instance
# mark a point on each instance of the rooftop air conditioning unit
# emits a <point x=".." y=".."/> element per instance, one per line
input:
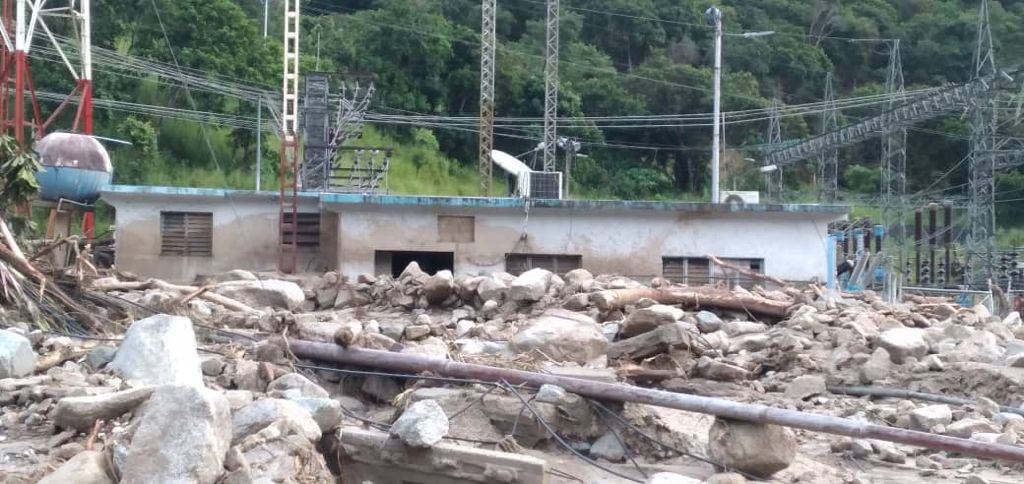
<point x="740" y="197"/>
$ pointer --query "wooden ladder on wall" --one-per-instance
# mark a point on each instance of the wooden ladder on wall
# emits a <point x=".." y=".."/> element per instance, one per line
<point x="288" y="171"/>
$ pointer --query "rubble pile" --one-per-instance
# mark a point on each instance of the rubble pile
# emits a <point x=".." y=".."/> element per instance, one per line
<point x="202" y="386"/>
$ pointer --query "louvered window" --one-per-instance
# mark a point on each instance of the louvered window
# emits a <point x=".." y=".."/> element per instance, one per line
<point x="700" y="270"/>
<point x="517" y="264"/>
<point x="186" y="234"/>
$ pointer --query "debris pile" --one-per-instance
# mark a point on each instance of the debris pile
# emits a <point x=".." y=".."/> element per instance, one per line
<point x="215" y="382"/>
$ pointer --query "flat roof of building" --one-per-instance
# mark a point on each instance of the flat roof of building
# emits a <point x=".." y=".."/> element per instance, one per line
<point x="475" y="202"/>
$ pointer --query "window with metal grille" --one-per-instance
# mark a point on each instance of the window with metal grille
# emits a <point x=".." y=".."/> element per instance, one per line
<point x="700" y="270"/>
<point x="451" y="228"/>
<point x="307" y="233"/>
<point x="516" y="264"/>
<point x="186" y="233"/>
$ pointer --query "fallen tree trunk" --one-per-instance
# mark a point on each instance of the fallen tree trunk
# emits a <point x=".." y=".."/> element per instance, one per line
<point x="747" y="272"/>
<point x="415" y="364"/>
<point x="189" y="291"/>
<point x="694" y="298"/>
<point x="22" y="265"/>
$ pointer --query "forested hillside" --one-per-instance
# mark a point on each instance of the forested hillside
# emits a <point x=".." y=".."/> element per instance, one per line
<point x="619" y="58"/>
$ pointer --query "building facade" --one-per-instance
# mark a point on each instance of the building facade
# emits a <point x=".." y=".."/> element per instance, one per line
<point x="177" y="233"/>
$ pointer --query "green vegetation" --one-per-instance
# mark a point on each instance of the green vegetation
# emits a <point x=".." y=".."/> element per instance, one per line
<point x="619" y="58"/>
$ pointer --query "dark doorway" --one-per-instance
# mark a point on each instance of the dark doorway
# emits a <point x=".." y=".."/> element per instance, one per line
<point x="395" y="261"/>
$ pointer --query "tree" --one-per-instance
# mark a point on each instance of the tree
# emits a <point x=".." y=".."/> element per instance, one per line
<point x="18" y="169"/>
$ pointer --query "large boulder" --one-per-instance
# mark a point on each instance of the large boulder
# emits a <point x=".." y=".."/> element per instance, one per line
<point x="578" y="280"/>
<point x="530" y="286"/>
<point x="758" y="449"/>
<point x="183" y="434"/>
<point x="422" y="424"/>
<point x="88" y="467"/>
<point x="160" y="350"/>
<point x="563" y="336"/>
<point x="81" y="413"/>
<point x="492" y="289"/>
<point x="259" y="414"/>
<point x="439" y="287"/>
<point x="16" y="356"/>
<point x="902" y="343"/>
<point x="297" y="384"/>
<point x="272" y="293"/>
<point x="929" y="417"/>
<point x="646" y="319"/>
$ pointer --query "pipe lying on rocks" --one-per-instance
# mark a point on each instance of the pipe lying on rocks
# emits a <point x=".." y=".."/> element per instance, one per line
<point x="412" y="363"/>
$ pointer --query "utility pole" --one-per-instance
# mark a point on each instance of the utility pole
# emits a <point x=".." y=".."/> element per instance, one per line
<point x="551" y="87"/>
<point x="259" y="108"/>
<point x="487" y="46"/>
<point x="981" y="184"/>
<point x="828" y="160"/>
<point x="773" y="177"/>
<point x="894" y="151"/>
<point x="713" y="16"/>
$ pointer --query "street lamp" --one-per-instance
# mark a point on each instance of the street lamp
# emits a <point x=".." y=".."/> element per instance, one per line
<point x="713" y="17"/>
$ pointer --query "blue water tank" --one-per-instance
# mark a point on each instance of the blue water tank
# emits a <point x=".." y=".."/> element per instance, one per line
<point x="74" y="167"/>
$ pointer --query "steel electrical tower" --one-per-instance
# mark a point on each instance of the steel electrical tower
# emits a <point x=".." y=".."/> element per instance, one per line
<point x="288" y="169"/>
<point x="828" y="159"/>
<point x="894" y="149"/>
<point x="551" y="87"/>
<point x="773" y="177"/>
<point x="981" y="185"/>
<point x="487" y="47"/>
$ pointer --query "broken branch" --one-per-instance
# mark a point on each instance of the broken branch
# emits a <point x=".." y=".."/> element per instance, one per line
<point x="721" y="299"/>
<point x="166" y="286"/>
<point x="22" y="265"/>
<point x="415" y="364"/>
<point x="746" y="272"/>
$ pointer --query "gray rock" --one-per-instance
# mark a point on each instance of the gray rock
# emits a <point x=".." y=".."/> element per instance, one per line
<point x="81" y="413"/>
<point x="417" y="331"/>
<point x="381" y="388"/>
<point x="736" y="328"/>
<point x="325" y="411"/>
<point x="725" y="478"/>
<point x="969" y="426"/>
<point x="608" y="448"/>
<point x="259" y="414"/>
<point x="861" y="448"/>
<point x="928" y="417"/>
<point x="563" y="336"/>
<point x="649" y="318"/>
<point x="708" y="322"/>
<point x="579" y="280"/>
<point x="551" y="394"/>
<point x="902" y="343"/>
<point x="492" y="289"/>
<point x="88" y="467"/>
<point x="159" y="350"/>
<point x="238" y="398"/>
<point x="366" y="278"/>
<point x="182" y="436"/>
<point x="326" y="297"/>
<point x="1015" y="361"/>
<point x="758" y="449"/>
<point x="439" y="287"/>
<point x="99" y="356"/>
<point x="16" y="356"/>
<point x="576" y="302"/>
<point x="530" y="286"/>
<point x="671" y="478"/>
<point x="806" y="386"/>
<point x="464" y="327"/>
<point x="299" y="383"/>
<point x="272" y="293"/>
<point x="720" y="371"/>
<point x="976" y="479"/>
<point x="877" y="367"/>
<point x="1002" y="418"/>
<point x="422" y="424"/>
<point x="212" y="365"/>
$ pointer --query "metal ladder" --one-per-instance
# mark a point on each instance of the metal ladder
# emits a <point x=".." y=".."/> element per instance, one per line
<point x="288" y="171"/>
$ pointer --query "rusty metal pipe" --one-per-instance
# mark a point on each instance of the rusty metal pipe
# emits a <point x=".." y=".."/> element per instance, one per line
<point x="412" y="363"/>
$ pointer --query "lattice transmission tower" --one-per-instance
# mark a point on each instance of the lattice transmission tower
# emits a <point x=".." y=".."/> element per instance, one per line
<point x="894" y="150"/>
<point x="488" y="43"/>
<point x="981" y="185"/>
<point x="828" y="159"/>
<point x="551" y="87"/>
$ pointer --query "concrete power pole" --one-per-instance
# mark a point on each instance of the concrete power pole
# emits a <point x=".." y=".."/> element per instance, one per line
<point x="713" y="16"/>
<point x="773" y="174"/>
<point x="551" y="87"/>
<point x="487" y="46"/>
<point x="981" y="199"/>
<point x="828" y="160"/>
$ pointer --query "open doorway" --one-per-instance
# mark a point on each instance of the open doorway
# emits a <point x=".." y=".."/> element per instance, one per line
<point x="394" y="261"/>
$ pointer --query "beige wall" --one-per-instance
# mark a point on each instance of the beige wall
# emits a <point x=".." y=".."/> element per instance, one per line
<point x="629" y="242"/>
<point x="244" y="234"/>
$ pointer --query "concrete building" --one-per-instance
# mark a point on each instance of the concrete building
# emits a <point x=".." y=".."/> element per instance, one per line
<point x="177" y="233"/>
